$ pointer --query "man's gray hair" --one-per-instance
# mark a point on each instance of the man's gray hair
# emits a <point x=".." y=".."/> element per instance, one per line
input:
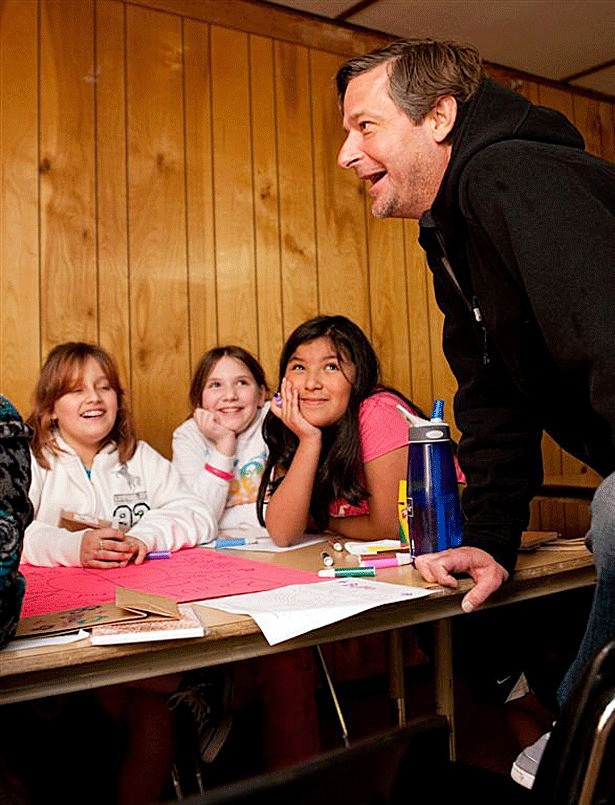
<point x="420" y="72"/>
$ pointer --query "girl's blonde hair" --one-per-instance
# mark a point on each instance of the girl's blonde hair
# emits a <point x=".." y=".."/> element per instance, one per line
<point x="64" y="363"/>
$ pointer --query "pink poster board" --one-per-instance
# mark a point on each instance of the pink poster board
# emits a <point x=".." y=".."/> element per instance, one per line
<point x="189" y="575"/>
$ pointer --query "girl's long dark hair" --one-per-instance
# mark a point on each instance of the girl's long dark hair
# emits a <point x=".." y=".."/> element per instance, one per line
<point x="340" y="467"/>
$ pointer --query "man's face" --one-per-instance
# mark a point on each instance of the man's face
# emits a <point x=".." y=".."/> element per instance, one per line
<point x="403" y="161"/>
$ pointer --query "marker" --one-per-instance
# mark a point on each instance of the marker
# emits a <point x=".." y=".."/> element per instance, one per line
<point x="235" y="542"/>
<point x="393" y="561"/>
<point x="373" y="550"/>
<point x="343" y="572"/>
<point x="158" y="555"/>
<point x="336" y="545"/>
<point x="402" y="513"/>
<point x="327" y="559"/>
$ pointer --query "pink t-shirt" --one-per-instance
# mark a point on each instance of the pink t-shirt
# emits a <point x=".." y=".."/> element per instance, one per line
<point x="382" y="429"/>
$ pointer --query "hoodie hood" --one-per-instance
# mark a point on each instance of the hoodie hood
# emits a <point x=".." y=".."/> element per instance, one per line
<point x="493" y="114"/>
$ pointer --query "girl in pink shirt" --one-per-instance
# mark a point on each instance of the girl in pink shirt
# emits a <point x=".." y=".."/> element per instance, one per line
<point x="338" y="445"/>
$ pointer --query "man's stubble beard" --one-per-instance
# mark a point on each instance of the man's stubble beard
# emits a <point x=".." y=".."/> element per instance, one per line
<point x="388" y="211"/>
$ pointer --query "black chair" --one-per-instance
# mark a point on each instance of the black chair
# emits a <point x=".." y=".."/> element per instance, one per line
<point x="370" y="771"/>
<point x="411" y="764"/>
<point x="578" y="766"/>
<point x="407" y="765"/>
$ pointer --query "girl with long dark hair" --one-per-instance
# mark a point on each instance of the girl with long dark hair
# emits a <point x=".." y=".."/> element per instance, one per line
<point x="338" y="446"/>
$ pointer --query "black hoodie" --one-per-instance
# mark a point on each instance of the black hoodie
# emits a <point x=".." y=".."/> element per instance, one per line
<point x="521" y="243"/>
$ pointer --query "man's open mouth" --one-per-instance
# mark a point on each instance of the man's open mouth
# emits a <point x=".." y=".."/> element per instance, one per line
<point x="374" y="178"/>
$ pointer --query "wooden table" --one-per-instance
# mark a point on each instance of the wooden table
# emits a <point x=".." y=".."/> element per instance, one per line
<point x="34" y="673"/>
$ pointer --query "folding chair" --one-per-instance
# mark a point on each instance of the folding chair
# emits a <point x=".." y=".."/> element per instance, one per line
<point x="578" y="766"/>
<point x="411" y="764"/>
<point x="369" y="771"/>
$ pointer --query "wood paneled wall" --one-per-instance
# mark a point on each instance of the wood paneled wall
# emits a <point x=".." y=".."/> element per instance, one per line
<point x="169" y="182"/>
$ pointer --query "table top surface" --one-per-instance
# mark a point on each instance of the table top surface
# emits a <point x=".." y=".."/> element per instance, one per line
<point x="31" y="673"/>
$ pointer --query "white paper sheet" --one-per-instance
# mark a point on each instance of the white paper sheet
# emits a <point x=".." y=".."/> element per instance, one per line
<point x="38" y="642"/>
<point x="290" y="611"/>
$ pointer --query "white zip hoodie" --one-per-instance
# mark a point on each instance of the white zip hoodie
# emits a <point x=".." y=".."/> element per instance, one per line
<point x="146" y="496"/>
<point x="232" y="498"/>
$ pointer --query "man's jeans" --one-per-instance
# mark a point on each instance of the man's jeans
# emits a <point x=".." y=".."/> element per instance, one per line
<point x="601" y="623"/>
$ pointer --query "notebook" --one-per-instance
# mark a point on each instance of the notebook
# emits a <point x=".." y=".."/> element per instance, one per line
<point x="151" y="629"/>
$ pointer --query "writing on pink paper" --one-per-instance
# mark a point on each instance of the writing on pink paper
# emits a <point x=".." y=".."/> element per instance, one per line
<point x="54" y="589"/>
<point x="189" y="575"/>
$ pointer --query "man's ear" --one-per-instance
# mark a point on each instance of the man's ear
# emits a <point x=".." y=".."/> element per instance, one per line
<point x="443" y="115"/>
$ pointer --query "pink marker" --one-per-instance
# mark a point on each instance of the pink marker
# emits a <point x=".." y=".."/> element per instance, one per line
<point x="396" y="561"/>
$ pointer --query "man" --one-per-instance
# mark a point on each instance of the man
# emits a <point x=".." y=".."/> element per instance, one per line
<point x="517" y="222"/>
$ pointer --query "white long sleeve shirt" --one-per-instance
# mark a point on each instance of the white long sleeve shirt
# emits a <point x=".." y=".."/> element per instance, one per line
<point x="145" y="496"/>
<point x="232" y="500"/>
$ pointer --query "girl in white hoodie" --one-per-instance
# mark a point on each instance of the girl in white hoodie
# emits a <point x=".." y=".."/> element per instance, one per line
<point x="87" y="460"/>
<point x="220" y="453"/>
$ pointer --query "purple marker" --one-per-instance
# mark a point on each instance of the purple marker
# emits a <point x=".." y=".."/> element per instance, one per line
<point x="277" y="398"/>
<point x="158" y="555"/>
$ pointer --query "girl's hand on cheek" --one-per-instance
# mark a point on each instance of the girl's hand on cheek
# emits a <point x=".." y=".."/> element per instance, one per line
<point x="289" y="411"/>
<point x="224" y="439"/>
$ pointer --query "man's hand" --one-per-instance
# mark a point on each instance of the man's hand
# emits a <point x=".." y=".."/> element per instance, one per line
<point x="488" y="574"/>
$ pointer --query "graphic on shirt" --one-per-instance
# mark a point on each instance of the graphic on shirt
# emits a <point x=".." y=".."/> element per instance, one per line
<point x="133" y="481"/>
<point x="127" y="516"/>
<point x="129" y="506"/>
<point x="341" y="508"/>
<point x="244" y="486"/>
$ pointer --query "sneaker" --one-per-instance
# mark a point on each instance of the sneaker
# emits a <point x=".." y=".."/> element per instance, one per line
<point x="525" y="766"/>
<point x="207" y="697"/>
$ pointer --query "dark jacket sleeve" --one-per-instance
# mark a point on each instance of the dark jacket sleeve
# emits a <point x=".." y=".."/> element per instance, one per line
<point x="499" y="449"/>
<point x="15" y="513"/>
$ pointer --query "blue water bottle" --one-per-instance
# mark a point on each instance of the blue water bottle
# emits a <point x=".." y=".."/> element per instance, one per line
<point x="434" y="514"/>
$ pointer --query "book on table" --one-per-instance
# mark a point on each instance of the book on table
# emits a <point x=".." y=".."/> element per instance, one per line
<point x="150" y="629"/>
